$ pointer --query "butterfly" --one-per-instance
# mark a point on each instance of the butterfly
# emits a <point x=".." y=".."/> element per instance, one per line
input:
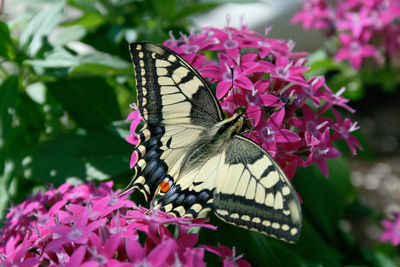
<point x="196" y="160"/>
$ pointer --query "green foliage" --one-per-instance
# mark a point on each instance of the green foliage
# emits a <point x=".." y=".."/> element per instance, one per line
<point x="66" y="82"/>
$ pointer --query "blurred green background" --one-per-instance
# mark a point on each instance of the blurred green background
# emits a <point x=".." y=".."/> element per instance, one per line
<point x="66" y="83"/>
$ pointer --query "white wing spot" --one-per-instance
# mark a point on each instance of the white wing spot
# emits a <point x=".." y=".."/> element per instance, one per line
<point x="295" y="211"/>
<point x="278" y="203"/>
<point x="285" y="227"/>
<point x="270" y="180"/>
<point x="246" y="218"/>
<point x="165" y="81"/>
<point x="251" y="189"/>
<point x="168" y="207"/>
<point x="162" y="63"/>
<point x="269" y="200"/>
<point x="141" y="163"/>
<point x="141" y="55"/>
<point x="260" y="194"/>
<point x="234" y="216"/>
<point x="293" y="231"/>
<point x="196" y="207"/>
<point x="180" y="210"/>
<point x="172" y="58"/>
<point x="286" y="212"/>
<point x="276" y="225"/>
<point x="256" y="220"/>
<point x="162" y="71"/>
<point x="139" y="47"/>
<point x="242" y="185"/>
<point x="266" y="223"/>
<point x="222" y="212"/>
<point x="285" y="190"/>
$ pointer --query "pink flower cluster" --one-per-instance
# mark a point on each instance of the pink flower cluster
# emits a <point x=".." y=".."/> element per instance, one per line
<point x="89" y="226"/>
<point x="392" y="230"/>
<point x="288" y="113"/>
<point x="366" y="29"/>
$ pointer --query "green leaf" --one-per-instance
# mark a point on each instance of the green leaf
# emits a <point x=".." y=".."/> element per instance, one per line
<point x="165" y="9"/>
<point x="8" y="100"/>
<point x="90" y="101"/>
<point x="101" y="64"/>
<point x="313" y="247"/>
<point x="64" y="35"/>
<point x="57" y="58"/>
<point x="255" y="247"/>
<point x="88" y="20"/>
<point x="40" y="26"/>
<point x="81" y="65"/>
<point x="6" y="46"/>
<point x="97" y="155"/>
<point x="5" y="180"/>
<point x="30" y="114"/>
<point x="320" y="63"/>
<point x="325" y="199"/>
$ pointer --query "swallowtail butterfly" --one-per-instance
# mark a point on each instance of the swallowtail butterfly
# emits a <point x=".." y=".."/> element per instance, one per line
<point x="196" y="159"/>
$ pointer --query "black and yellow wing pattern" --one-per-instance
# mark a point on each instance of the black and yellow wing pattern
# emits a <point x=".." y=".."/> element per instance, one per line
<point x="197" y="160"/>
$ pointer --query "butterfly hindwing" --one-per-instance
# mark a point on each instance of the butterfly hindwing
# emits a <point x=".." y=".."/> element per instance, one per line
<point x="193" y="193"/>
<point x="254" y="193"/>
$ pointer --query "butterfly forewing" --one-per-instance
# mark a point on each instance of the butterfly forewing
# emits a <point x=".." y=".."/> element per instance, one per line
<point x="185" y="154"/>
<point x="169" y="90"/>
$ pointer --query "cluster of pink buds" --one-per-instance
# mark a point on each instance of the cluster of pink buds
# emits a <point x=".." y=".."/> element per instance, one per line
<point x="366" y="29"/>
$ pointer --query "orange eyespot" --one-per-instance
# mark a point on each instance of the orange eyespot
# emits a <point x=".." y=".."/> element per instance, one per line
<point x="165" y="186"/>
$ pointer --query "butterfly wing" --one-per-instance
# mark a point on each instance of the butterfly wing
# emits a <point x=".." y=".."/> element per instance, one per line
<point x="169" y="90"/>
<point x="177" y="107"/>
<point x="254" y="193"/>
<point x="244" y="186"/>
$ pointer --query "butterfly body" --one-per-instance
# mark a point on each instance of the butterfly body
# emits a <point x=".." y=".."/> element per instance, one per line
<point x="196" y="159"/>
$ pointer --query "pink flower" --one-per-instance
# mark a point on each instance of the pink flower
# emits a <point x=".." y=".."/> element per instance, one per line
<point x="95" y="228"/>
<point x="392" y="230"/>
<point x="355" y="22"/>
<point x="315" y="14"/>
<point x="136" y="118"/>
<point x="230" y="74"/>
<point x="343" y="129"/>
<point x="271" y="132"/>
<point x="228" y="256"/>
<point x="77" y="232"/>
<point x="285" y="69"/>
<point x="366" y="29"/>
<point x="312" y="126"/>
<point x="320" y="150"/>
<point x="354" y="50"/>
